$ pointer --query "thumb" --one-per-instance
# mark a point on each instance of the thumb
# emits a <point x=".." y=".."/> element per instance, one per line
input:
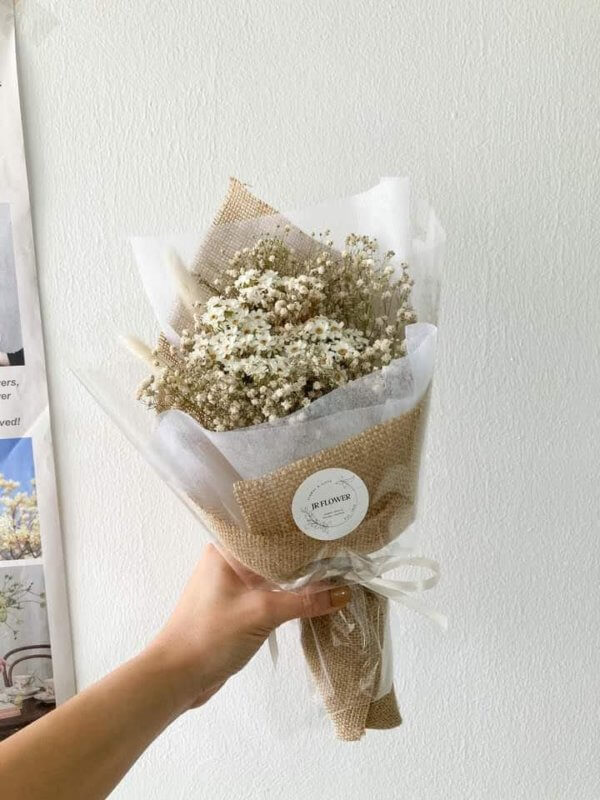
<point x="283" y="606"/>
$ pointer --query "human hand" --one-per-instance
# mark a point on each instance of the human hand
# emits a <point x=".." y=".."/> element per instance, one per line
<point x="222" y="619"/>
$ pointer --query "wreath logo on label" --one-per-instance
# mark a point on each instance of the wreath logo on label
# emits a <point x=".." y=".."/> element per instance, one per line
<point x="330" y="504"/>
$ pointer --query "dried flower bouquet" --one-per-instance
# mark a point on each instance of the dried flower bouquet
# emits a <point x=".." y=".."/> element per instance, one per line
<point x="291" y="383"/>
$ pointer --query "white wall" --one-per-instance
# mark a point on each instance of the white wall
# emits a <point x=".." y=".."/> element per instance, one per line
<point x="136" y="114"/>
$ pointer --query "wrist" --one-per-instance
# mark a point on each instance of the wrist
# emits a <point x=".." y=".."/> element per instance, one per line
<point x="179" y="677"/>
<point x="164" y="678"/>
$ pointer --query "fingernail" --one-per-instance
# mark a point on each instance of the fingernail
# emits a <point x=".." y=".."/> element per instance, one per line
<point x="340" y="596"/>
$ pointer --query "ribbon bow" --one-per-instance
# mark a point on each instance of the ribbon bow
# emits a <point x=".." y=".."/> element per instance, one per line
<point x="367" y="571"/>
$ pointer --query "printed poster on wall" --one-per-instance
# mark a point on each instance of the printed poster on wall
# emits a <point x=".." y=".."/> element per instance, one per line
<point x="36" y="667"/>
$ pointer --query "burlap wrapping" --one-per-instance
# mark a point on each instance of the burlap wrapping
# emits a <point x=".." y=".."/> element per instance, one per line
<point x="343" y="650"/>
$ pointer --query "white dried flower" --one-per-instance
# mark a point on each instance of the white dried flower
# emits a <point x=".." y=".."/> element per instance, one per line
<point x="280" y="333"/>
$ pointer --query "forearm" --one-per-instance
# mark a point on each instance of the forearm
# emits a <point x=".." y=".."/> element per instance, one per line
<point x="84" y="748"/>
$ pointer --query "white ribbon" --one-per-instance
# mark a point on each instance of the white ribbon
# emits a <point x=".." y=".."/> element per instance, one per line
<point x="367" y="571"/>
<point x="367" y="574"/>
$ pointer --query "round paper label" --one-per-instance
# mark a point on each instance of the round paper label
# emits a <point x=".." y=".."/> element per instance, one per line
<point x="330" y="504"/>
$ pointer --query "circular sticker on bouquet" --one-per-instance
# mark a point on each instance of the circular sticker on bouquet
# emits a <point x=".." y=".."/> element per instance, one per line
<point x="330" y="504"/>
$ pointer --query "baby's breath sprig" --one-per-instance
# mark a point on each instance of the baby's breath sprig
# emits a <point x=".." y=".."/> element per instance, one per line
<point x="283" y="332"/>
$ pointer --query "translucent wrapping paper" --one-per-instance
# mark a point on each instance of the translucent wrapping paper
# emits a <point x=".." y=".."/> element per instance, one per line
<point x="324" y="494"/>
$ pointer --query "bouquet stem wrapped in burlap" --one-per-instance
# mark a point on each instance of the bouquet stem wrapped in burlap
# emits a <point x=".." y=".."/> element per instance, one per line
<point x="343" y="651"/>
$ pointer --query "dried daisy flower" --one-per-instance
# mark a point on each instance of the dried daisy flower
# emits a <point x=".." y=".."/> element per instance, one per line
<point x="282" y="333"/>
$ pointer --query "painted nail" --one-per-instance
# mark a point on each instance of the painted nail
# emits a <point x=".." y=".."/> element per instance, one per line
<point x="340" y="596"/>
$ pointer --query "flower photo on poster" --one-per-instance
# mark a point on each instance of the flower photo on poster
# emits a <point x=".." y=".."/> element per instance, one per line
<point x="17" y="592"/>
<point x="26" y="670"/>
<point x="20" y="536"/>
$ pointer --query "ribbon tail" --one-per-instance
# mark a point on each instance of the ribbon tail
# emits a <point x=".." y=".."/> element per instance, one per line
<point x="273" y="648"/>
<point x="390" y="590"/>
